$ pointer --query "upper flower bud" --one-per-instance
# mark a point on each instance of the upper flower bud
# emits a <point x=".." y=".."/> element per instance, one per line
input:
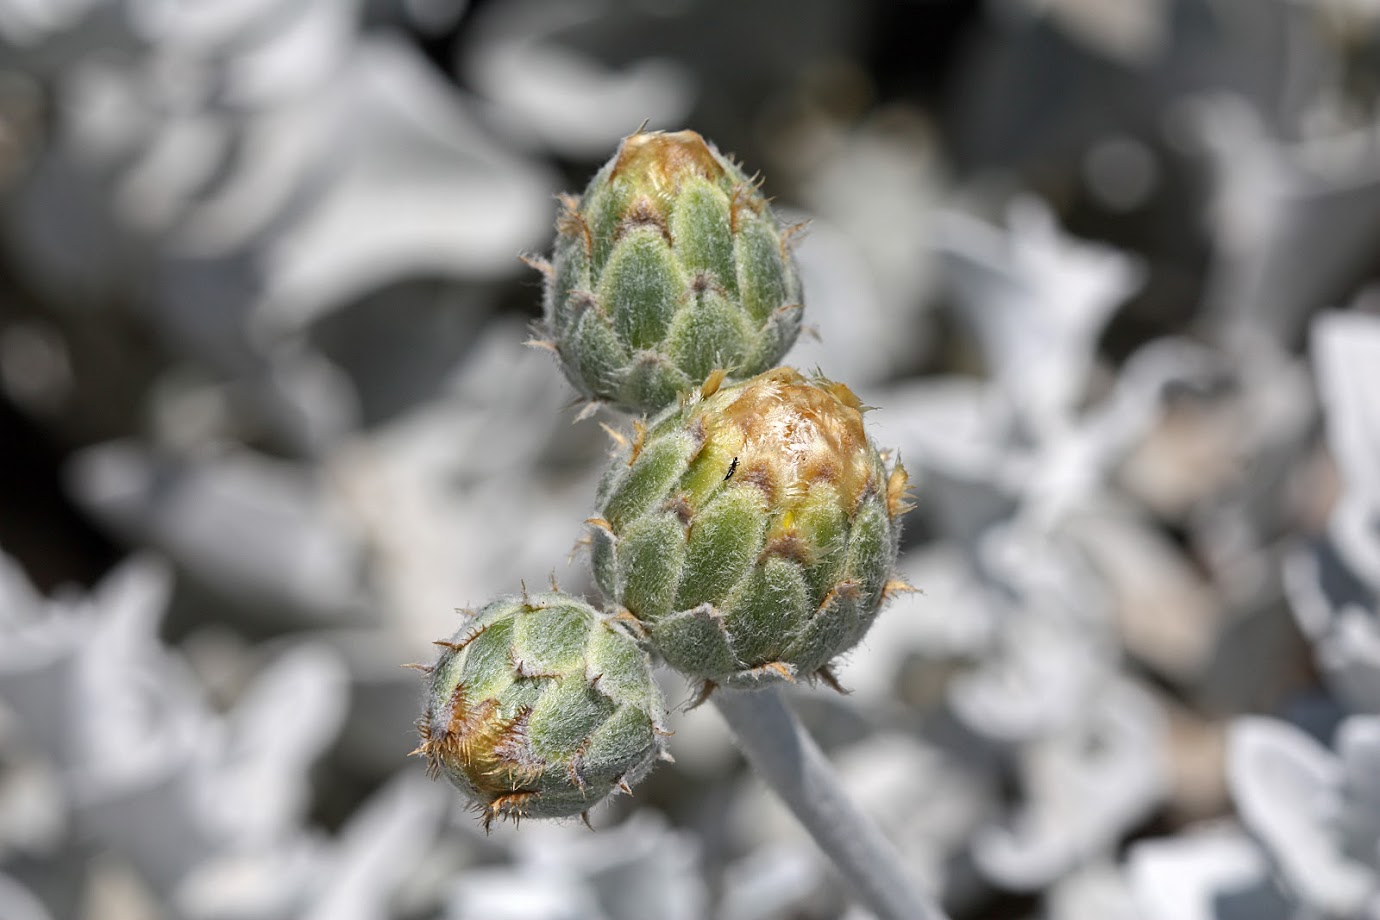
<point x="540" y="707"/>
<point x="670" y="265"/>
<point x="752" y="530"/>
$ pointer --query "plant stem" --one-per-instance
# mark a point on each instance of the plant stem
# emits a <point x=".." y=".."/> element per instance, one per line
<point x="778" y="747"/>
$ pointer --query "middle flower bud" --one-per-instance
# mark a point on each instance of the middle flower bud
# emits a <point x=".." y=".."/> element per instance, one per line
<point x="752" y="530"/>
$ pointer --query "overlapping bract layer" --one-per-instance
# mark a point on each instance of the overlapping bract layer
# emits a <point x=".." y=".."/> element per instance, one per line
<point x="753" y="530"/>
<point x="539" y="707"/>
<point x="670" y="265"/>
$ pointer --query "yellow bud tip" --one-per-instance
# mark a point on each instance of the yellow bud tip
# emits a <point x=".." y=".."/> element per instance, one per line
<point x="789" y="433"/>
<point x="661" y="161"/>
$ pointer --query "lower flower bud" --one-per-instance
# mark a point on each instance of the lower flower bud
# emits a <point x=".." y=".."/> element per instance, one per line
<point x="539" y="707"/>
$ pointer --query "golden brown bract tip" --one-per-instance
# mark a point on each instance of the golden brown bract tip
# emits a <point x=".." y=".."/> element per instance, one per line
<point x="798" y="431"/>
<point x="663" y="161"/>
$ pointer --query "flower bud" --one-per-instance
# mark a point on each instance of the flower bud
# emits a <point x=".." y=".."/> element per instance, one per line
<point x="670" y="265"/>
<point x="753" y="530"/>
<point x="540" y="707"/>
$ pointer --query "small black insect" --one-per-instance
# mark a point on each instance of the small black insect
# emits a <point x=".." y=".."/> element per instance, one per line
<point x="731" y="468"/>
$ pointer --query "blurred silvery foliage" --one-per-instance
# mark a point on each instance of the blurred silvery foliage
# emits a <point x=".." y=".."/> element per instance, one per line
<point x="1310" y="822"/>
<point x="1306" y="846"/>
<point x="257" y="279"/>
<point x="1334" y="582"/>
